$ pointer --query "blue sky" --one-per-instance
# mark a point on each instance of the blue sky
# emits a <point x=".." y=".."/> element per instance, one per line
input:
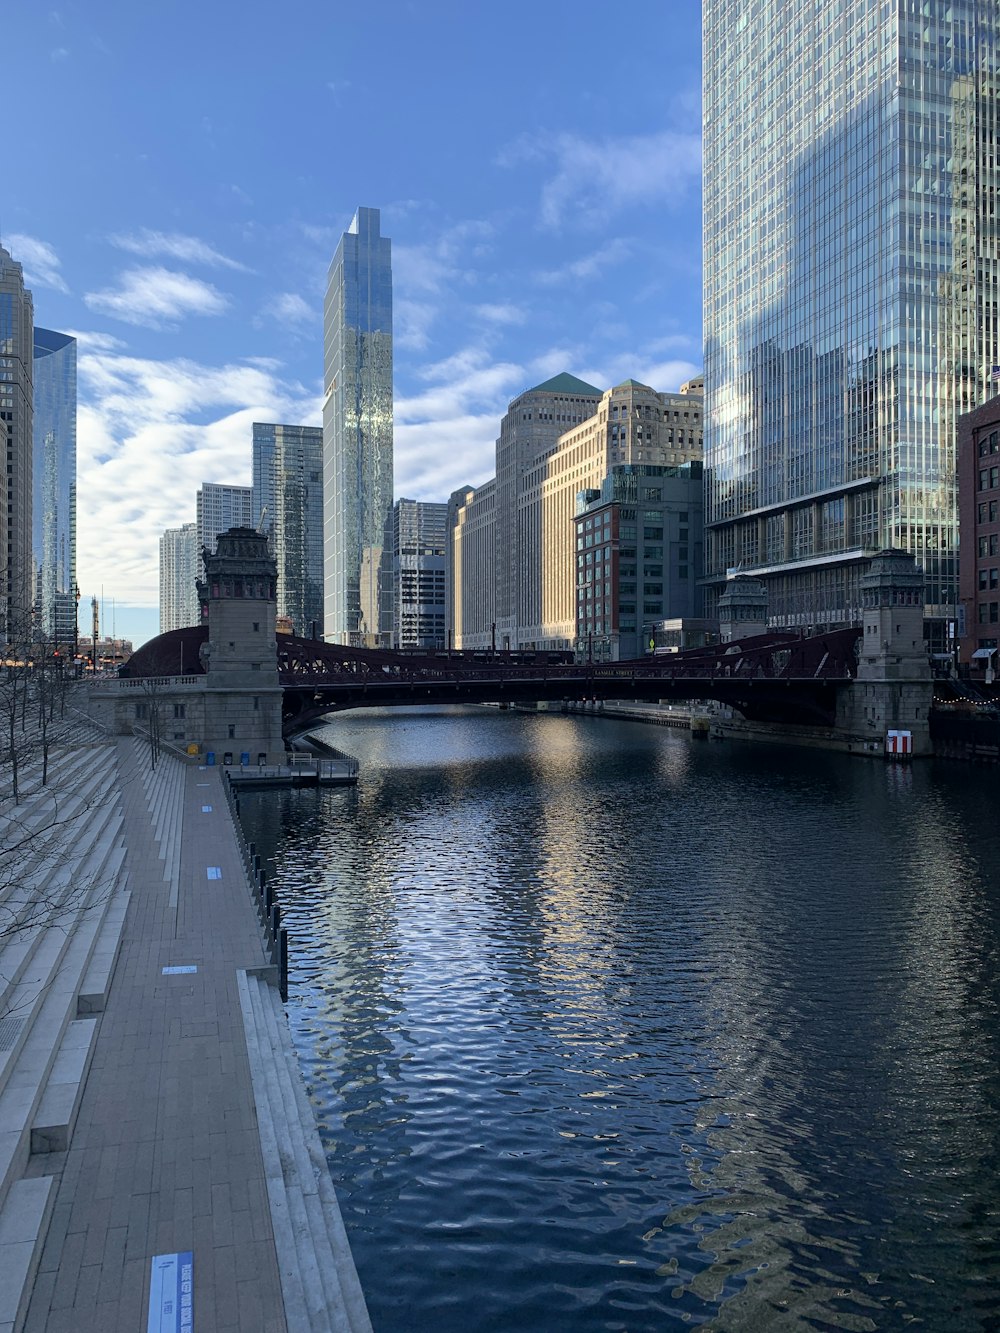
<point x="178" y="175"/>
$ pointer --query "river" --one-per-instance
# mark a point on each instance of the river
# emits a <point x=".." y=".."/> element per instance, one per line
<point x="611" y="1030"/>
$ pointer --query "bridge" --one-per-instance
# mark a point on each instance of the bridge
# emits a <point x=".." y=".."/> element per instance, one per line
<point x="772" y="677"/>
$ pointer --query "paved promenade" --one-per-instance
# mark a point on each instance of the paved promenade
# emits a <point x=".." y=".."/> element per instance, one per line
<point x="166" y="1155"/>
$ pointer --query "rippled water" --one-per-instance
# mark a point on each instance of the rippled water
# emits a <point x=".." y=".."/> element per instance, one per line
<point x="608" y="1030"/>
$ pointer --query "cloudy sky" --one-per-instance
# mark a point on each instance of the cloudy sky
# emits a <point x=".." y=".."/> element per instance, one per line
<point x="178" y="175"/>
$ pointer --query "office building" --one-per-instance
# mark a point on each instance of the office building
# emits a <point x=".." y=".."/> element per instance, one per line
<point x="978" y="628"/>
<point x="638" y="557"/>
<point x="178" y="578"/>
<point x="54" y="474"/>
<point x="357" y="437"/>
<point x="16" y="412"/>
<point x="418" y="574"/>
<point x="297" y="532"/>
<point x="629" y="424"/>
<point x="262" y="503"/>
<point x="471" y="564"/>
<point x="220" y="507"/>
<point x="851" y="286"/>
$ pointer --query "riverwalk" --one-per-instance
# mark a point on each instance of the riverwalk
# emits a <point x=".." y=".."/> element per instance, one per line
<point x="161" y="1166"/>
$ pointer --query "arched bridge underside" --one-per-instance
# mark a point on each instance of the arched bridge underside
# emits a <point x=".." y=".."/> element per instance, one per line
<point x="768" y="678"/>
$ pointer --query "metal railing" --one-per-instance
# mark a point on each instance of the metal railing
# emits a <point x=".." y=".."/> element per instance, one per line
<point x="262" y="891"/>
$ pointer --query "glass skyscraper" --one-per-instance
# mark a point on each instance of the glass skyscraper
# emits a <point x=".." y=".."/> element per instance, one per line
<point x="357" y="437"/>
<point x="16" y="435"/>
<point x="852" y="165"/>
<point x="53" y="535"/>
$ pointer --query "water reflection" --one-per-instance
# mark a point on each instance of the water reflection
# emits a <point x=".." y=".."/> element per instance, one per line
<point x="610" y="1031"/>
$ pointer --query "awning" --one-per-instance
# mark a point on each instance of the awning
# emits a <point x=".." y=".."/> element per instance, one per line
<point x="984" y="652"/>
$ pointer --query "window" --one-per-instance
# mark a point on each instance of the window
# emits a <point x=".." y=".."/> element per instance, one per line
<point x="232" y="730"/>
<point x="993" y="511"/>
<point x="994" y="612"/>
<point x="982" y="580"/>
<point x="256" y="624"/>
<point x="653" y="534"/>
<point x="254" y="666"/>
<point x="179" y="710"/>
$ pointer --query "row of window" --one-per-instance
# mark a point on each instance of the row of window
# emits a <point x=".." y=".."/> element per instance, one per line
<point x="989" y="444"/>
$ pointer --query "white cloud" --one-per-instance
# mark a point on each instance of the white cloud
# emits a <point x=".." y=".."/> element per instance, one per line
<point x="445" y="435"/>
<point x="502" y="314"/>
<point x="60" y="53"/>
<point x="593" y="179"/>
<point x="291" y="308"/>
<point x="149" y="433"/>
<point x="41" y="263"/>
<point x="157" y="298"/>
<point x="174" y="245"/>
<point x="590" y="265"/>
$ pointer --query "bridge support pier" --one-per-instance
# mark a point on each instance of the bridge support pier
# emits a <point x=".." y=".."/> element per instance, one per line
<point x="888" y="705"/>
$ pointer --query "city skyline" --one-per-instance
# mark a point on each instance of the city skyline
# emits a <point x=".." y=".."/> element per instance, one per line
<point x="556" y="228"/>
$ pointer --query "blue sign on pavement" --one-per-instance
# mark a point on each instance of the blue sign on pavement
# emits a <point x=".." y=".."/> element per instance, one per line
<point x="171" y="1293"/>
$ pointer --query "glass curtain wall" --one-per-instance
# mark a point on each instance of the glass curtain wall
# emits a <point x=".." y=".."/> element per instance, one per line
<point x="851" y="283"/>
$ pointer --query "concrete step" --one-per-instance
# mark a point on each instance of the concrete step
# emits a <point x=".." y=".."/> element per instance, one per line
<point x="24" y="1223"/>
<point x="96" y="984"/>
<point x="319" y="1279"/>
<point x="55" y="1117"/>
<point x="55" y="899"/>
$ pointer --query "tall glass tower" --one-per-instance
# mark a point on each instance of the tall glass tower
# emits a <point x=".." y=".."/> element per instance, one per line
<point x="17" y="321"/>
<point x="357" y="437"/>
<point x="53" y="533"/>
<point x="852" y="275"/>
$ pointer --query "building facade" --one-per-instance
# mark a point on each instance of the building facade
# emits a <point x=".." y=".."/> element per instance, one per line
<point x="178" y="578"/>
<point x="54" y="472"/>
<point x="629" y="424"/>
<point x="851" y="285"/>
<point x="262" y="501"/>
<point x="471" y="583"/>
<point x="638" y="557"/>
<point x="979" y="523"/>
<point x="220" y="507"/>
<point x="357" y="437"/>
<point x="297" y="534"/>
<point x="17" y="324"/>
<point x="418" y="574"/>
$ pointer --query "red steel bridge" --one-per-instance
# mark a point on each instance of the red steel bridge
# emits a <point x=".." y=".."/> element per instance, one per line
<point x="779" y="677"/>
<point x="773" y="677"/>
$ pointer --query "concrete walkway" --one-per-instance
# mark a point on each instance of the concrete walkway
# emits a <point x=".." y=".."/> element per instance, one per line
<point x="166" y="1157"/>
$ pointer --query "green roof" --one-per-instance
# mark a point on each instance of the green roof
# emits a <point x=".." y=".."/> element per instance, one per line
<point x="566" y="383"/>
<point x="631" y="384"/>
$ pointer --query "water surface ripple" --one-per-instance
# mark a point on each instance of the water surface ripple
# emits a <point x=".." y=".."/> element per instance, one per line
<point x="610" y="1031"/>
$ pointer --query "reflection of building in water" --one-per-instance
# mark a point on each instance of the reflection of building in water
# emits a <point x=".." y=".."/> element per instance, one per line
<point x="851" y="290"/>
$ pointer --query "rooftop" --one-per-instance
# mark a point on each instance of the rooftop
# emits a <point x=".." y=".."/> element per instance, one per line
<point x="567" y="383"/>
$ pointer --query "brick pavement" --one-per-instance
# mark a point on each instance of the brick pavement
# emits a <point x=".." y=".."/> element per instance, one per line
<point x="165" y="1156"/>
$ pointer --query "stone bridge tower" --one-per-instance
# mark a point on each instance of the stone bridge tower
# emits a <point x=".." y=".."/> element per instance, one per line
<point x="742" y="609"/>
<point x="893" y="690"/>
<point x="243" y="694"/>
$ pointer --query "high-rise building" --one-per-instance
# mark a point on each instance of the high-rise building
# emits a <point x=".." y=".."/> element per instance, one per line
<point x="296" y="532"/>
<point x="54" y="473"/>
<point x="16" y="411"/>
<point x="852" y="279"/>
<point x="219" y="508"/>
<point x="179" y="552"/>
<point x="591" y="434"/>
<point x="357" y="436"/>
<point x="533" y="423"/>
<point x="263" y="476"/>
<point x="418" y="574"/>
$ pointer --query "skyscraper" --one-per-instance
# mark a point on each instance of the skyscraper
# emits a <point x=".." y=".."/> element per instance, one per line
<point x="297" y="531"/>
<point x="418" y="574"/>
<point x="54" y="473"/>
<point x="852" y="275"/>
<point x="16" y="411"/>
<point x="179" y="553"/>
<point x="357" y="436"/>
<point x="219" y="508"/>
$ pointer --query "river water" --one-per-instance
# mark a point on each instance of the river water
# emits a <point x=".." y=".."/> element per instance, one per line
<point x="609" y="1030"/>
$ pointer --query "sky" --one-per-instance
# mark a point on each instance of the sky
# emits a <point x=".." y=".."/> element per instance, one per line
<point x="178" y="176"/>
